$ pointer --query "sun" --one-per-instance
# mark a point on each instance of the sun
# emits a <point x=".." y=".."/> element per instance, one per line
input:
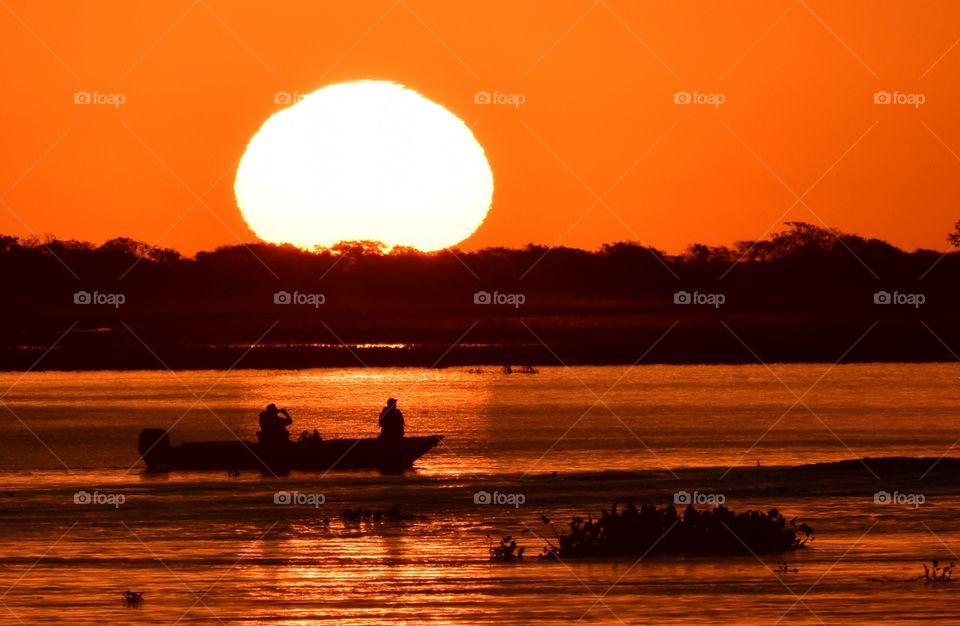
<point x="365" y="160"/>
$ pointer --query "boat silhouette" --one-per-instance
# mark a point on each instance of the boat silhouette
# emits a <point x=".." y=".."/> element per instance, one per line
<point x="388" y="455"/>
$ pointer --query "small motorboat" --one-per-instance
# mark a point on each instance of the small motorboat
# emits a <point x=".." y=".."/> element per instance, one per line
<point x="388" y="455"/>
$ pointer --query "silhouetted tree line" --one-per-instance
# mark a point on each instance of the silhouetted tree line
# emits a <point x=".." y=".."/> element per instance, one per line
<point x="803" y="253"/>
<point x="804" y="281"/>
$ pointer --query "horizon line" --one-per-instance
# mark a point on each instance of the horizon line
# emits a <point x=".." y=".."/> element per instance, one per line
<point x="35" y="240"/>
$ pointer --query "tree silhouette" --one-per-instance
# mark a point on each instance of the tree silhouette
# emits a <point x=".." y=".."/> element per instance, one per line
<point x="954" y="237"/>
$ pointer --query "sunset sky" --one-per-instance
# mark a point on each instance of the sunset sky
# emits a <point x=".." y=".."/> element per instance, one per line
<point x="791" y="130"/>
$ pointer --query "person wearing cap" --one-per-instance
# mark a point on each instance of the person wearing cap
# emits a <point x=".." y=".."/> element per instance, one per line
<point x="391" y="421"/>
<point x="273" y="424"/>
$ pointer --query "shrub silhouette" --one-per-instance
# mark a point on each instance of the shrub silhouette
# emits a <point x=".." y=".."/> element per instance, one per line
<point x="649" y="530"/>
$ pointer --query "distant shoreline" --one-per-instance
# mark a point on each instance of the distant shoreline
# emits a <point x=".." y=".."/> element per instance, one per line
<point x="804" y="295"/>
<point x="487" y="359"/>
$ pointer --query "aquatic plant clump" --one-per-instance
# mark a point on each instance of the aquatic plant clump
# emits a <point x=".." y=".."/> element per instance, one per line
<point x="368" y="516"/>
<point x="508" y="550"/>
<point x="649" y="530"/>
<point x="937" y="574"/>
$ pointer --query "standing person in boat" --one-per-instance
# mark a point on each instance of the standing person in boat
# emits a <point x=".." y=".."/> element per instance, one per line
<point x="391" y="421"/>
<point x="273" y="424"/>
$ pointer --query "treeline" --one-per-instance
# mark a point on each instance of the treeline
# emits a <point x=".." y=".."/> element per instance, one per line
<point x="800" y="255"/>
<point x="799" y="294"/>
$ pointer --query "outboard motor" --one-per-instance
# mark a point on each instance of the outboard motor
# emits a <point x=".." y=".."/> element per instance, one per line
<point x="154" y="447"/>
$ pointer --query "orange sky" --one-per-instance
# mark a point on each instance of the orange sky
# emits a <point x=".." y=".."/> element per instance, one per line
<point x="798" y="80"/>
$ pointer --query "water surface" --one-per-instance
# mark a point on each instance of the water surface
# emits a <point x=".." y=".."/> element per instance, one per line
<point x="208" y="547"/>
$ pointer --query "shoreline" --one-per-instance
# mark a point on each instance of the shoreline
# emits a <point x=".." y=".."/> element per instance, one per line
<point x="489" y="359"/>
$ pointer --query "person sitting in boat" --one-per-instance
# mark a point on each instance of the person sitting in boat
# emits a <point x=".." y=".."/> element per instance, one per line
<point x="307" y="437"/>
<point x="273" y="424"/>
<point x="391" y="421"/>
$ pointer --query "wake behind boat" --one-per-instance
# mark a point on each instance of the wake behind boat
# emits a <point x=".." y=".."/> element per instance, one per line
<point x="389" y="455"/>
<point x="275" y="452"/>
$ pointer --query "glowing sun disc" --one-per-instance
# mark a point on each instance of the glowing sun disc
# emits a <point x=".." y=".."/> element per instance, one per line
<point x="368" y="160"/>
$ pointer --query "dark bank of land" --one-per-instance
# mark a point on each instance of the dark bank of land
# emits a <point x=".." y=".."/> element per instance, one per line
<point x="875" y="479"/>
<point x="806" y="294"/>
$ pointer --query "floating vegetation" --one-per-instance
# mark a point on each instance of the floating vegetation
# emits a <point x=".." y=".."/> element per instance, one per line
<point x="937" y="574"/>
<point x="506" y="551"/>
<point x="932" y="574"/>
<point x="784" y="568"/>
<point x="132" y="598"/>
<point x="649" y="530"/>
<point x="361" y="514"/>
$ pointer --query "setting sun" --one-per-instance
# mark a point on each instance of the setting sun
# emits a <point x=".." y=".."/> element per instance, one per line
<point x="368" y="160"/>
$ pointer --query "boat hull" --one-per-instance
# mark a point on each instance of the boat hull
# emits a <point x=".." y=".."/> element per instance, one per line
<point x="392" y="455"/>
